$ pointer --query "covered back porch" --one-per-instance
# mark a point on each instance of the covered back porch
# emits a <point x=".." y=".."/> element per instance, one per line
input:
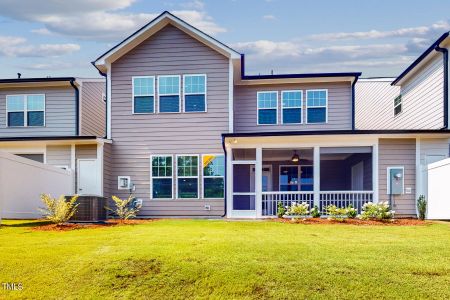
<point x="260" y="178"/>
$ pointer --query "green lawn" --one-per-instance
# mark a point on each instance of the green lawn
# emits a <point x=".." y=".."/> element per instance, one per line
<point x="229" y="260"/>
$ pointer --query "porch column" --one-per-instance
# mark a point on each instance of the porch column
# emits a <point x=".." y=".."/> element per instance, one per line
<point x="375" y="187"/>
<point x="258" y="183"/>
<point x="316" y="175"/>
<point x="73" y="167"/>
<point x="229" y="186"/>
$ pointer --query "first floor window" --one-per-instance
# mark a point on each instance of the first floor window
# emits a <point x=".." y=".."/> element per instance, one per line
<point x="194" y="93"/>
<point x="169" y="93"/>
<point x="397" y="105"/>
<point x="267" y="108"/>
<point x="25" y="110"/>
<point x="316" y="106"/>
<point x="187" y="176"/>
<point x="162" y="177"/>
<point x="143" y="94"/>
<point x="292" y="107"/>
<point x="213" y="176"/>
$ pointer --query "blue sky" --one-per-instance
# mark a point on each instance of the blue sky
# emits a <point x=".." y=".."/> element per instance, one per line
<point x="378" y="38"/>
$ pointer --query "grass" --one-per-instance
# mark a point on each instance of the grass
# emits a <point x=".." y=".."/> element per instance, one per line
<point x="173" y="259"/>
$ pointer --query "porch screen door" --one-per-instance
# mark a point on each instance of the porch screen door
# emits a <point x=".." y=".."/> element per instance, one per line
<point x="243" y="187"/>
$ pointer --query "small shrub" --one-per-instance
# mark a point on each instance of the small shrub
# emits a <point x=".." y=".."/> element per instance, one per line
<point x="336" y="213"/>
<point x="376" y="211"/>
<point x="315" y="213"/>
<point x="124" y="208"/>
<point x="58" y="210"/>
<point x="422" y="207"/>
<point x="351" y="212"/>
<point x="281" y="210"/>
<point x="298" y="209"/>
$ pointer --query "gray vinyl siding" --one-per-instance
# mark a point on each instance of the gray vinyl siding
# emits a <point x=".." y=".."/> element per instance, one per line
<point x="422" y="101"/>
<point x="59" y="155"/>
<point x="136" y="137"/>
<point x="60" y="117"/>
<point x="85" y="151"/>
<point x="394" y="153"/>
<point x="108" y="180"/>
<point x="339" y="107"/>
<point x="93" y="109"/>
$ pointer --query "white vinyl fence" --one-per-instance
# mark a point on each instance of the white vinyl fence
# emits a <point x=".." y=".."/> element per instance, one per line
<point x="23" y="180"/>
<point x="439" y="190"/>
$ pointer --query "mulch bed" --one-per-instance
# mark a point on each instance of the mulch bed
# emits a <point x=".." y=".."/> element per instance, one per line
<point x="76" y="226"/>
<point x="396" y="222"/>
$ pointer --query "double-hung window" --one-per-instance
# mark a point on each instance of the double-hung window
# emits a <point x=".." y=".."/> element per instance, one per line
<point x="316" y="106"/>
<point x="397" y="105"/>
<point x="169" y="93"/>
<point x="291" y="107"/>
<point x="143" y="94"/>
<point x="161" y="184"/>
<point x="267" y="108"/>
<point x="187" y="176"/>
<point x="25" y="110"/>
<point x="213" y="176"/>
<point x="194" y="93"/>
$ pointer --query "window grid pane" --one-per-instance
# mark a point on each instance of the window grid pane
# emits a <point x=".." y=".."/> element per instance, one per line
<point x="267" y="100"/>
<point x="292" y="99"/>
<point x="213" y="165"/>
<point x="144" y="86"/>
<point x="187" y="166"/>
<point x="162" y="166"/>
<point x="169" y="85"/>
<point x="316" y="98"/>
<point x="15" y="103"/>
<point x="36" y="102"/>
<point x="195" y="84"/>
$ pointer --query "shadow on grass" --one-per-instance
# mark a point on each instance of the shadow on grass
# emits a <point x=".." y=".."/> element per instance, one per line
<point x="19" y="223"/>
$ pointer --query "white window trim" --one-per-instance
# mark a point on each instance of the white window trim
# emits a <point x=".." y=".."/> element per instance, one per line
<point x="187" y="94"/>
<point x="25" y="110"/>
<point x="179" y="94"/>
<point x="388" y="182"/>
<point x="258" y="109"/>
<point x="395" y="106"/>
<point x="198" y="176"/>
<point x="287" y="107"/>
<point x="203" y="175"/>
<point x="160" y="177"/>
<point x="322" y="106"/>
<point x="132" y="92"/>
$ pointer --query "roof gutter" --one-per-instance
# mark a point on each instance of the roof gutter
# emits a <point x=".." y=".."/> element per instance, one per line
<point x="225" y="179"/>
<point x="444" y="52"/>
<point x="77" y="106"/>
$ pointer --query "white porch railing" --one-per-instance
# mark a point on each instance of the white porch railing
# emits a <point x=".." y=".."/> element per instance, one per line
<point x="357" y="199"/>
<point x="270" y="200"/>
<point x="344" y="198"/>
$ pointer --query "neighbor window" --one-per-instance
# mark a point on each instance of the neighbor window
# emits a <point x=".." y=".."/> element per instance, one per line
<point x="397" y="105"/>
<point x="25" y="110"/>
<point x="291" y="102"/>
<point x="213" y="176"/>
<point x="162" y="177"/>
<point x="169" y="93"/>
<point x="187" y="176"/>
<point x="143" y="94"/>
<point x="316" y="106"/>
<point x="267" y="107"/>
<point x="194" y="93"/>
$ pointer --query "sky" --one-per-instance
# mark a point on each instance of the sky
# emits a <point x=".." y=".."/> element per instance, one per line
<point x="379" y="38"/>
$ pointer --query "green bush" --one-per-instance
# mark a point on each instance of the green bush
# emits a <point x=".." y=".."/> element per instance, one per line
<point x="376" y="211"/>
<point x="351" y="212"/>
<point x="422" y="207"/>
<point x="58" y="210"/>
<point x="281" y="210"/>
<point x="124" y="210"/>
<point x="315" y="213"/>
<point x="336" y="213"/>
<point x="298" y="209"/>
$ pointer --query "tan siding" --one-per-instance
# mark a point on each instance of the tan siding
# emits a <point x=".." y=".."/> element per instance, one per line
<point x="59" y="155"/>
<point x="398" y="152"/>
<point x="59" y="112"/>
<point x="339" y="107"/>
<point x="136" y="137"/>
<point x="85" y="151"/>
<point x="93" y="109"/>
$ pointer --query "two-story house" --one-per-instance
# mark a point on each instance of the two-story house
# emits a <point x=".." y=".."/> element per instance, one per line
<point x="59" y="121"/>
<point x="193" y="135"/>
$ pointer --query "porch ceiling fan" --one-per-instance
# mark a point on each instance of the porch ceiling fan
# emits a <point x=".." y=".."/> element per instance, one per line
<point x="295" y="157"/>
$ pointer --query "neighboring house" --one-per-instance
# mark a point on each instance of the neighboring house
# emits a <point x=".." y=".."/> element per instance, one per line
<point x="57" y="121"/>
<point x="193" y="135"/>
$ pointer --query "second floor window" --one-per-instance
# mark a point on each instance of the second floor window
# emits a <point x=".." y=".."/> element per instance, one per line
<point x="25" y="110"/>
<point x="194" y="93"/>
<point x="267" y="108"/>
<point x="397" y="105"/>
<point x="169" y="93"/>
<point x="143" y="95"/>
<point x="316" y="106"/>
<point x="291" y="107"/>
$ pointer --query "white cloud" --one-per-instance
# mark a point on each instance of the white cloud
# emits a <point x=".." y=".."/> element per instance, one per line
<point x="269" y="17"/>
<point x="195" y="4"/>
<point x="41" y="31"/>
<point x="48" y="66"/>
<point x="17" y="47"/>
<point x="98" y="19"/>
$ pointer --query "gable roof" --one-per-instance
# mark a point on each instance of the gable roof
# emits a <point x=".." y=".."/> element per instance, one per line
<point x="153" y="27"/>
<point x="420" y="58"/>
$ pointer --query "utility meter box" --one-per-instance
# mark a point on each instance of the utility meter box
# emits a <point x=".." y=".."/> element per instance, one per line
<point x="123" y="182"/>
<point x="396" y="180"/>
